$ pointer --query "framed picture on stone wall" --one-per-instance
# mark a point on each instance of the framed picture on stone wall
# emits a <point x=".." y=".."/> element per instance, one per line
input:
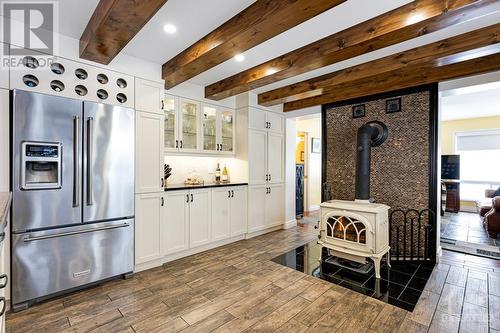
<point x="393" y="105"/>
<point x="358" y="111"/>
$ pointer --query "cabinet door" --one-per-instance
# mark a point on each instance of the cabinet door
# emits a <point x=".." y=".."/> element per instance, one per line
<point x="257" y="157"/>
<point x="275" y="157"/>
<point x="149" y="152"/>
<point x="175" y="223"/>
<point x="148" y="219"/>
<point x="257" y="119"/>
<point x="220" y="213"/>
<point x="199" y="217"/>
<point x="276" y="123"/>
<point x="189" y="133"/>
<point x="227" y="128"/>
<point x="171" y="136"/>
<point x="210" y="129"/>
<point x="275" y="205"/>
<point x="238" y="211"/>
<point x="257" y="202"/>
<point x="149" y="96"/>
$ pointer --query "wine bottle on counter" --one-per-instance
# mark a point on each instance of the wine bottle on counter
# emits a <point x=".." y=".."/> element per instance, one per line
<point x="225" y="175"/>
<point x="217" y="174"/>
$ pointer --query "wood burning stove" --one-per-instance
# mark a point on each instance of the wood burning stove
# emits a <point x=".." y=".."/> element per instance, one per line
<point x="360" y="229"/>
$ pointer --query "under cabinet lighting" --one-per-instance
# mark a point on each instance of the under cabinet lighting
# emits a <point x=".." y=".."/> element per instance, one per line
<point x="170" y="28"/>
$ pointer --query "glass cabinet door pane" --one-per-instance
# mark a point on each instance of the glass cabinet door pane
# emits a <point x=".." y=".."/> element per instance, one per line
<point x="189" y="125"/>
<point x="227" y="120"/>
<point x="209" y="128"/>
<point x="170" y="122"/>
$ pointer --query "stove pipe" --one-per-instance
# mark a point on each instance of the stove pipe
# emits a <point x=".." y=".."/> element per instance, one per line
<point x="371" y="134"/>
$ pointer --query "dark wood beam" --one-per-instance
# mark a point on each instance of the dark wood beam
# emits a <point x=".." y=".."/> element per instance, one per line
<point x="113" y="24"/>
<point x="407" y="22"/>
<point x="259" y="22"/>
<point x="420" y="55"/>
<point x="408" y="77"/>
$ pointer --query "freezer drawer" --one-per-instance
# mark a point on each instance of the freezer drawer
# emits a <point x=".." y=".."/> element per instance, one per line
<point x="49" y="262"/>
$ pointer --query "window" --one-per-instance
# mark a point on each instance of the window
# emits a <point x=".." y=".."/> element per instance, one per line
<point x="479" y="162"/>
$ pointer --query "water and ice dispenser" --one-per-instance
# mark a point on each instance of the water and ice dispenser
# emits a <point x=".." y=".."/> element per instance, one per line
<point x="41" y="165"/>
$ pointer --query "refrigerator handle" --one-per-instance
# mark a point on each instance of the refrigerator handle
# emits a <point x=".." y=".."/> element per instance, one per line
<point x="90" y="176"/>
<point x="76" y="166"/>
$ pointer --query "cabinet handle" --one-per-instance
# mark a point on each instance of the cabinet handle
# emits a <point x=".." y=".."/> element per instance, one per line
<point x="269" y="177"/>
<point x="187" y="197"/>
<point x="4" y="276"/>
<point x="163" y="105"/>
<point x="229" y="194"/>
<point x="162" y="201"/>
<point x="269" y="125"/>
<point x="192" y="197"/>
<point x="232" y="194"/>
<point x="162" y="183"/>
<point x="2" y="299"/>
<point x="269" y="190"/>
<point x="181" y="144"/>
<point x="176" y="143"/>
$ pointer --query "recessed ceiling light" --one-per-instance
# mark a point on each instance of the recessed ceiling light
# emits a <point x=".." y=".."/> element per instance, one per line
<point x="271" y="71"/>
<point x="239" y="57"/>
<point x="170" y="28"/>
<point x="415" y="18"/>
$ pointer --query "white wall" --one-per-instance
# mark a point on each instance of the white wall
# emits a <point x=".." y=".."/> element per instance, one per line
<point x="312" y="126"/>
<point x="290" y="144"/>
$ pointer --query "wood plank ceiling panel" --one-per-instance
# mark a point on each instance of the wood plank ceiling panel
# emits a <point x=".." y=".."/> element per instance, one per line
<point x="407" y="22"/>
<point x="113" y="24"/>
<point x="259" y="22"/>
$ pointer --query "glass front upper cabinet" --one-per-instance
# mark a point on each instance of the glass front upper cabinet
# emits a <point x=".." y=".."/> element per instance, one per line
<point x="210" y="128"/>
<point x="171" y="123"/>
<point x="189" y="114"/>
<point x="227" y="130"/>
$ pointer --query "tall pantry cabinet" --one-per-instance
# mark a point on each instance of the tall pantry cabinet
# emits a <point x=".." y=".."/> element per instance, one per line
<point x="266" y="168"/>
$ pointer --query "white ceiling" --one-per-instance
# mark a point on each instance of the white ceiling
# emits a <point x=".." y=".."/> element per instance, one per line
<point x="471" y="102"/>
<point x="196" y="18"/>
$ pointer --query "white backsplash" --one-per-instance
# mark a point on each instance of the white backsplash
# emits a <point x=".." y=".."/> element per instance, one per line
<point x="184" y="166"/>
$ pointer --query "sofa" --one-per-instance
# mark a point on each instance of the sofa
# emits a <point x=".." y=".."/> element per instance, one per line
<point x="492" y="219"/>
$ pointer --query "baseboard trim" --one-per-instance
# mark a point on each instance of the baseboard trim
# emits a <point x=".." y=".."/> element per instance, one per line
<point x="186" y="253"/>
<point x="439" y="254"/>
<point x="468" y="209"/>
<point x="290" y="224"/>
<point x="312" y="209"/>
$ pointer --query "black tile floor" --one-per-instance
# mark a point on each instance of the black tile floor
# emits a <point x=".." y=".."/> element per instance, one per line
<point x="401" y="285"/>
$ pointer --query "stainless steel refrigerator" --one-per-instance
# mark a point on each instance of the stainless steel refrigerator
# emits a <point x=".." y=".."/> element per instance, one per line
<point x="73" y="194"/>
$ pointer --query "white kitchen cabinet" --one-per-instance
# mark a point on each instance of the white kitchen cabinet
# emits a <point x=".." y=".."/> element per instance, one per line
<point x="199" y="217"/>
<point x="149" y="216"/>
<point x="257" y="157"/>
<point x="221" y="227"/>
<point x="149" y="96"/>
<point x="190" y="123"/>
<point x="171" y="137"/>
<point x="257" y="197"/>
<point x="265" y="121"/>
<point x="229" y="212"/>
<point x="149" y="152"/>
<point x="275" y="158"/>
<point x="275" y="205"/>
<point x="238" y="206"/>
<point x="176" y="222"/>
<point x="218" y="126"/>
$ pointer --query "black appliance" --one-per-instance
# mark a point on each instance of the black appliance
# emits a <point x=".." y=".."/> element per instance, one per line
<point x="450" y="167"/>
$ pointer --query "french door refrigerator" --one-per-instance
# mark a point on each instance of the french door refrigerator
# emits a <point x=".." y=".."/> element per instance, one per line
<point x="73" y="194"/>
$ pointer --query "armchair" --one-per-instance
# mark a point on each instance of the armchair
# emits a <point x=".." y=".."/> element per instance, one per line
<point x="492" y="219"/>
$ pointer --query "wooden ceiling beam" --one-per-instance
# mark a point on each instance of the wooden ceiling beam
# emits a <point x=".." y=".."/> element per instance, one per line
<point x="113" y="24"/>
<point x="407" y="22"/>
<point x="259" y="22"/>
<point x="409" y="77"/>
<point x="420" y="55"/>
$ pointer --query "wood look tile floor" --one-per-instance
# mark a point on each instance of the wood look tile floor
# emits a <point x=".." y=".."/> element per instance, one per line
<point x="236" y="288"/>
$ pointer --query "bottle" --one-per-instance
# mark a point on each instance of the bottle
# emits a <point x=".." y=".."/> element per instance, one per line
<point x="217" y="174"/>
<point x="225" y="174"/>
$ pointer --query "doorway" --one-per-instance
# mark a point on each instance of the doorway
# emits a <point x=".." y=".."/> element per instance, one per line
<point x="308" y="168"/>
<point x="470" y="159"/>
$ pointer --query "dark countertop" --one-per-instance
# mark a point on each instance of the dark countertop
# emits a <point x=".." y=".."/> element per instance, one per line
<point x="175" y="187"/>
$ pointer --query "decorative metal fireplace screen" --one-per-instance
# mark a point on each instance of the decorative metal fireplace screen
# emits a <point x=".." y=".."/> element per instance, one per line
<point x="346" y="228"/>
